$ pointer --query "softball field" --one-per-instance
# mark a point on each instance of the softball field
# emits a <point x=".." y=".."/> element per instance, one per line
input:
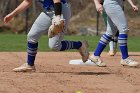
<point x="54" y="74"/>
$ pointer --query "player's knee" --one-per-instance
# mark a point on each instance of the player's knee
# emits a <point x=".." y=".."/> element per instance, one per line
<point x="54" y="47"/>
<point x="124" y="30"/>
<point x="31" y="38"/>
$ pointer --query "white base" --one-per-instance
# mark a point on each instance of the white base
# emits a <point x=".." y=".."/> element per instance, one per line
<point x="80" y="62"/>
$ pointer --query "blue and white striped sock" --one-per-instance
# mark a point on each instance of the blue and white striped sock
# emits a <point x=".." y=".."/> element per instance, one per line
<point x="66" y="45"/>
<point x="122" y="40"/>
<point x="32" y="51"/>
<point x="102" y="44"/>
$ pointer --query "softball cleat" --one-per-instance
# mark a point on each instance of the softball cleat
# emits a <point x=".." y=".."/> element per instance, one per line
<point x="97" y="60"/>
<point x="129" y="62"/>
<point x="24" y="68"/>
<point x="83" y="50"/>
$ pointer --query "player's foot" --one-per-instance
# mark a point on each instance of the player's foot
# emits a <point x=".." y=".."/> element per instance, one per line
<point x="83" y="50"/>
<point x="129" y="62"/>
<point x="97" y="60"/>
<point x="23" y="68"/>
<point x="112" y="52"/>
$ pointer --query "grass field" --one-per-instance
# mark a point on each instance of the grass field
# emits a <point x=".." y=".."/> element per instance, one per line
<point x="10" y="42"/>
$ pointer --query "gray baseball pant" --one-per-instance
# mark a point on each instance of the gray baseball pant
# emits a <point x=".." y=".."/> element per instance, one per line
<point x="42" y="24"/>
<point x="114" y="10"/>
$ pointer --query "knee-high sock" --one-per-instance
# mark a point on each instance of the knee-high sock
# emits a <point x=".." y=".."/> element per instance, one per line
<point x="66" y="45"/>
<point x="122" y="40"/>
<point x="32" y="51"/>
<point x="102" y="44"/>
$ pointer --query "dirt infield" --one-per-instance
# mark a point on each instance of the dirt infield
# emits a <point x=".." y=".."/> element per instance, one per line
<point x="55" y="75"/>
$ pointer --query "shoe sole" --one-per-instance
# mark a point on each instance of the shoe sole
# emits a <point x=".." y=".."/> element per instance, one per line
<point x="26" y="70"/>
<point x="129" y="66"/>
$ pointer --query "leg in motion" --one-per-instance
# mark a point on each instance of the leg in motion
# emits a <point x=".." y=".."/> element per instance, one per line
<point x="116" y="14"/>
<point x="101" y="45"/>
<point x="39" y="27"/>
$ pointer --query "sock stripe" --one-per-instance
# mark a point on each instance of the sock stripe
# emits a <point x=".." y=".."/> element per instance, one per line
<point x="103" y="42"/>
<point x="32" y="49"/>
<point x="122" y="38"/>
<point x="32" y="52"/>
<point x="106" y="38"/>
<point x="69" y="45"/>
<point x="122" y="41"/>
<point x="66" y="45"/>
<point x="123" y="44"/>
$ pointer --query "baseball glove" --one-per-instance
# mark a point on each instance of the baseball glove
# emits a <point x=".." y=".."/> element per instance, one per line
<point x="56" y="27"/>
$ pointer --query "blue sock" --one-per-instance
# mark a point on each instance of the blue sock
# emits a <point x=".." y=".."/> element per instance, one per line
<point x="102" y="44"/>
<point x="122" y="40"/>
<point x="66" y="45"/>
<point x="32" y="51"/>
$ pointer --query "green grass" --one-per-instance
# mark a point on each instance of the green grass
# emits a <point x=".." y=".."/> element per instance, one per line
<point x="18" y="43"/>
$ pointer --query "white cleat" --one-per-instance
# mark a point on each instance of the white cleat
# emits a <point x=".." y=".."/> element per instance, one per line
<point x="83" y="50"/>
<point x="24" y="68"/>
<point x="129" y="62"/>
<point x="97" y="60"/>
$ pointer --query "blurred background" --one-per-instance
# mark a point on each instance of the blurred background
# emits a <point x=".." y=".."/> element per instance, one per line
<point x="83" y="25"/>
<point x="83" y="21"/>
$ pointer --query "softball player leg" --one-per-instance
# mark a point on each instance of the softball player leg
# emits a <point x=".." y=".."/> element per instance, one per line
<point x="114" y="10"/>
<point x="95" y="57"/>
<point x="105" y="39"/>
<point x="40" y="26"/>
<point x="113" y="41"/>
<point x="57" y="43"/>
<point x="113" y="46"/>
